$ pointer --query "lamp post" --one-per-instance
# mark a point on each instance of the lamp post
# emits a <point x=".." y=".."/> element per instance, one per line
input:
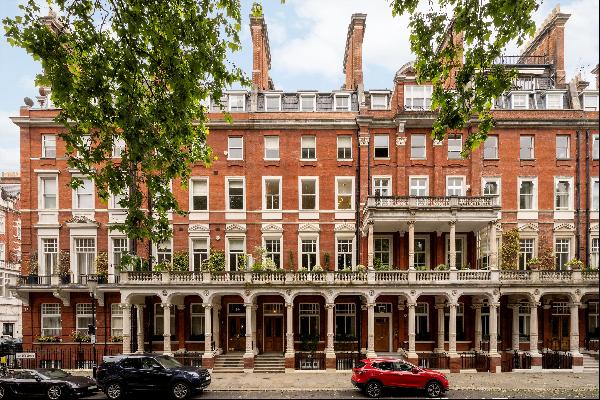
<point x="92" y="282"/>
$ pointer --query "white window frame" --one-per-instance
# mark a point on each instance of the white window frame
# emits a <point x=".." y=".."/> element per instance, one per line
<point x="87" y="142"/>
<point x="462" y="251"/>
<point x="308" y="236"/>
<point x="523" y="101"/>
<point x="165" y="256"/>
<point x="415" y="135"/>
<point x="590" y="107"/>
<point x="496" y="147"/>
<point x="228" y="179"/>
<point x="570" y="253"/>
<point x="91" y="268"/>
<point x="594" y="180"/>
<point x="2" y="222"/>
<point x="42" y="194"/>
<point x="114" y="317"/>
<point x="337" y="193"/>
<point x="159" y="327"/>
<point x="46" y="147"/>
<point x="193" y="181"/>
<point x="427" y="251"/>
<point x="230" y="147"/>
<point x="200" y="316"/>
<point x="279" y="179"/>
<point x="409" y="97"/>
<point x="532" y="148"/>
<point x="569" y="180"/>
<point x="83" y="311"/>
<point x="595" y="146"/>
<point x="413" y="178"/>
<point x="351" y="238"/>
<point x="524" y="318"/>
<point x="338" y="96"/>
<point x="45" y="313"/>
<point x="309" y="310"/>
<point x="534" y="199"/>
<point x="555" y="100"/>
<point x="228" y="253"/>
<point x="463" y="187"/>
<point x="236" y="95"/>
<point x="382" y="177"/>
<point x="274" y="237"/>
<point x="390" y="252"/>
<point x="113" y="248"/>
<point x="118" y="147"/>
<point x="492" y="179"/>
<point x="338" y="148"/>
<point x="304" y="96"/>
<point x="527" y="256"/>
<point x="2" y="253"/>
<point x="45" y="268"/>
<point x="272" y="96"/>
<point x="594" y="251"/>
<point x="452" y="149"/>
<point x="385" y="97"/>
<point x="300" y="193"/>
<point x="76" y="193"/>
<point x="303" y="138"/>
<point x="420" y="313"/>
<point x="113" y="201"/>
<point x="568" y="137"/>
<point x="387" y="147"/>
<point x="193" y="253"/>
<point x="271" y="138"/>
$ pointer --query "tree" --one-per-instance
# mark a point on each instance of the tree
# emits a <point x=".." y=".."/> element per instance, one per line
<point x="135" y="73"/>
<point x="465" y="88"/>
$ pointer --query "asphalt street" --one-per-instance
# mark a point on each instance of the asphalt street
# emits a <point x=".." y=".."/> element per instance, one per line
<point x="395" y="394"/>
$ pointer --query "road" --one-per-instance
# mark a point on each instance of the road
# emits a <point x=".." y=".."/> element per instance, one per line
<point x="397" y="394"/>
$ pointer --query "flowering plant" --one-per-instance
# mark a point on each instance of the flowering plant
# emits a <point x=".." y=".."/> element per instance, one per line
<point x="80" y="337"/>
<point x="49" y="339"/>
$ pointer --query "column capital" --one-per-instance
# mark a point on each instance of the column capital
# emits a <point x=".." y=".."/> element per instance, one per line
<point x="329" y="306"/>
<point x="140" y="306"/>
<point x="207" y="306"/>
<point x="574" y="304"/>
<point x="166" y="305"/>
<point x="494" y="305"/>
<point x="411" y="223"/>
<point x="452" y="222"/>
<point x="514" y="306"/>
<point x="411" y="305"/>
<point x="289" y="305"/>
<point x="476" y="306"/>
<point x="248" y="305"/>
<point x="180" y="307"/>
<point x="126" y="306"/>
<point x="370" y="305"/>
<point x="534" y="304"/>
<point x="440" y="306"/>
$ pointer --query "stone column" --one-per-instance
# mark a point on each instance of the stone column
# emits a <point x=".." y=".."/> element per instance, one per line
<point x="126" y="308"/>
<point x="412" y="354"/>
<point x="208" y="330"/>
<point x="452" y="246"/>
<point x="249" y="354"/>
<point x="441" y="346"/>
<point x="494" y="328"/>
<point x="515" y="326"/>
<point x="371" y="330"/>
<point x="167" y="328"/>
<point x="574" y="329"/>
<point x="536" y="357"/>
<point x="290" y="353"/>
<point x="370" y="247"/>
<point x="452" y="328"/>
<point x="493" y="248"/>
<point x="329" y="348"/>
<point x="216" y="326"/>
<point x="478" y="328"/>
<point x="254" y="342"/>
<point x="411" y="244"/>
<point x="140" y="327"/>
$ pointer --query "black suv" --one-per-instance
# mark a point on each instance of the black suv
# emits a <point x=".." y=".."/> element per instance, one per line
<point x="120" y="375"/>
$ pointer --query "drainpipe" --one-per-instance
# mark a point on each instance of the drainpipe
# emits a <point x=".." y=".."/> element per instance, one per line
<point x="577" y="195"/>
<point x="587" y="197"/>
<point x="357" y="198"/>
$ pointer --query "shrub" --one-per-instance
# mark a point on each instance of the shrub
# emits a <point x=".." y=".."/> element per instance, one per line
<point x="326" y="260"/>
<point x="49" y="339"/>
<point x="101" y="263"/>
<point x="64" y="263"/>
<point x="441" y="267"/>
<point x="361" y="268"/>
<point x="258" y="267"/>
<point x="317" y="268"/>
<point x="181" y="261"/>
<point x="216" y="261"/>
<point x="574" y="264"/>
<point x="510" y="249"/>
<point x="546" y="253"/>
<point x="80" y="337"/>
<point x="269" y="264"/>
<point x="32" y="265"/>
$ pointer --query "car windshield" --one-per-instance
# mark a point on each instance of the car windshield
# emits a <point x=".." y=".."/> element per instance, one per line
<point x="53" y="373"/>
<point x="168" y="362"/>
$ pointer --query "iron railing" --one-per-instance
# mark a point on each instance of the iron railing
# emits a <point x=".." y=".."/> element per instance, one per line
<point x="515" y="360"/>
<point x="434" y="360"/>
<point x="522" y="60"/>
<point x="189" y="358"/>
<point x="347" y="360"/>
<point x="556" y="360"/>
<point x="80" y="357"/>
<point x="591" y="344"/>
<point x="306" y="360"/>
<point x="475" y="360"/>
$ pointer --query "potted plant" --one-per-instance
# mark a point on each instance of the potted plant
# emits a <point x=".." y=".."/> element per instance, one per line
<point x="258" y="267"/>
<point x="574" y="264"/>
<point x="116" y="339"/>
<point x="318" y="269"/>
<point x="533" y="264"/>
<point x="101" y="263"/>
<point x="441" y="267"/>
<point x="269" y="264"/>
<point x="216" y="261"/>
<point x="181" y="261"/>
<point x="48" y="339"/>
<point x="32" y="268"/>
<point x="64" y="266"/>
<point x="361" y="268"/>
<point x="80" y="337"/>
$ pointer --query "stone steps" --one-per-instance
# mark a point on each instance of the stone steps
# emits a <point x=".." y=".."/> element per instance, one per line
<point x="269" y="363"/>
<point x="590" y="362"/>
<point x="229" y="363"/>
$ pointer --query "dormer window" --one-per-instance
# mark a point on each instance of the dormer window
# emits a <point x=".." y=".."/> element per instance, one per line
<point x="554" y="101"/>
<point x="417" y="97"/>
<point x="590" y="101"/>
<point x="520" y="101"/>
<point x="379" y="101"/>
<point x="308" y="102"/>
<point x="272" y="102"/>
<point x="237" y="102"/>
<point x="342" y="102"/>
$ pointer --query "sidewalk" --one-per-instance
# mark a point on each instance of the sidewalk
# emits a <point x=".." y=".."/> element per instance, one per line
<point x="341" y="381"/>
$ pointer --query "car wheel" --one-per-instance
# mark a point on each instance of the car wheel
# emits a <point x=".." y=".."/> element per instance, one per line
<point x="434" y="389"/>
<point x="54" y="392"/>
<point x="180" y="391"/>
<point x="114" y="391"/>
<point x="373" y="389"/>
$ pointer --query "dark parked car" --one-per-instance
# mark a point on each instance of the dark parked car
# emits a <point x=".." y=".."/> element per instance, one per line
<point x="121" y="375"/>
<point x="47" y="383"/>
<point x="371" y="375"/>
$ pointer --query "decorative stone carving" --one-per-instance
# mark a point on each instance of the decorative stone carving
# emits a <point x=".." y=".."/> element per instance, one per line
<point x="363" y="140"/>
<point x="345" y="227"/>
<point x="81" y="219"/>
<point x="272" y="228"/>
<point x="309" y="228"/>
<point x="528" y="227"/>
<point x="198" y="228"/>
<point x="594" y="227"/>
<point x="564" y="227"/>
<point x="206" y="292"/>
<point x="437" y="142"/>
<point x="237" y="228"/>
<point x="164" y="292"/>
<point x="401" y="125"/>
<point x="400" y="140"/>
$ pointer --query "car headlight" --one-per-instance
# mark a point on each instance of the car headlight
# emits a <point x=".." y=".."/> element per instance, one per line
<point x="72" y="385"/>
<point x="194" y="374"/>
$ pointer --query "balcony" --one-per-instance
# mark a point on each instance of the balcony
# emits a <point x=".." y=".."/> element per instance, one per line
<point x="522" y="60"/>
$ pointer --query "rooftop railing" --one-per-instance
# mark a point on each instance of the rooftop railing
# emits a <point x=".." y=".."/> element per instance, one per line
<point x="432" y="201"/>
<point x="522" y="60"/>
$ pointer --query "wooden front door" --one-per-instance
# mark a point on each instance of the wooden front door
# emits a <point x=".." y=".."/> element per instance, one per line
<point x="273" y="334"/>
<point x="236" y="333"/>
<point x="560" y="332"/>
<point x="382" y="334"/>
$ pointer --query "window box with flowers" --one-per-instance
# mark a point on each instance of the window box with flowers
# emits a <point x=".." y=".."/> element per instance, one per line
<point x="574" y="264"/>
<point x="80" y="337"/>
<point x="49" y="339"/>
<point x="116" y="339"/>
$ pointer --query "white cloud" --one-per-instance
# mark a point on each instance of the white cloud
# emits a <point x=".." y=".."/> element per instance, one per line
<point x="9" y="143"/>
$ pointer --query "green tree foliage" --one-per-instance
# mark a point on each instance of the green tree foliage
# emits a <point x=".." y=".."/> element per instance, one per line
<point x="510" y="249"/>
<point x="135" y="71"/>
<point x="487" y="27"/>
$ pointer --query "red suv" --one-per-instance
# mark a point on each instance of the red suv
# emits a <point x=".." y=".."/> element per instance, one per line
<point x="373" y="374"/>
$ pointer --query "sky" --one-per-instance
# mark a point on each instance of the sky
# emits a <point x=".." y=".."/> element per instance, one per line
<point x="307" y="39"/>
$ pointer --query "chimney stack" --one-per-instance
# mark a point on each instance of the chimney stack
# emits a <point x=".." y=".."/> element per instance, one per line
<point x="261" y="53"/>
<point x="353" y="54"/>
<point x="549" y="41"/>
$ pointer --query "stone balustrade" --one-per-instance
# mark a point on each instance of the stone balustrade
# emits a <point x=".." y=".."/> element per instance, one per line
<point x="432" y="201"/>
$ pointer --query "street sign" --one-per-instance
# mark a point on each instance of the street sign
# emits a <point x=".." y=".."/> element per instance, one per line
<point x="21" y="356"/>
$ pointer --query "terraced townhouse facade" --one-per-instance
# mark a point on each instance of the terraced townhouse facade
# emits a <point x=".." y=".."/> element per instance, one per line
<point x="340" y="179"/>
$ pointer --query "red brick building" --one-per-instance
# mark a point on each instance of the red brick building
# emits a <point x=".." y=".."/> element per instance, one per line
<point x="337" y="181"/>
